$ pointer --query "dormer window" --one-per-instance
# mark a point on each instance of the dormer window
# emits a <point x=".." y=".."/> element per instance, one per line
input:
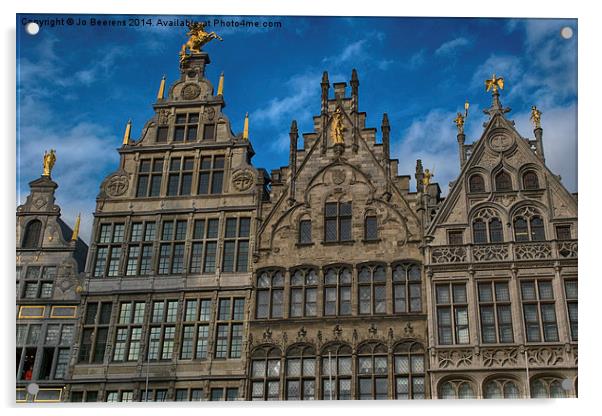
<point x="186" y="127"/>
<point x="476" y="183"/>
<point x="503" y="182"/>
<point x="337" y="221"/>
<point x="530" y="180"/>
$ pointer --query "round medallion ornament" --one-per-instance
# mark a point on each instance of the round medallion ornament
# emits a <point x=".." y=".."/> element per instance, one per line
<point x="242" y="180"/>
<point x="338" y="176"/>
<point x="117" y="185"/>
<point x="191" y="91"/>
<point x="500" y="143"/>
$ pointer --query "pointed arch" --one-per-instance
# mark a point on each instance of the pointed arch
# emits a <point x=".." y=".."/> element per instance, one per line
<point x="32" y="234"/>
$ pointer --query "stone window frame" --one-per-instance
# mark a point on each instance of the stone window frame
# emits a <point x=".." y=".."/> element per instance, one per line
<point x="304" y="281"/>
<point x="305" y="380"/>
<point x="503" y="181"/>
<point x="181" y="170"/>
<point x="530" y="231"/>
<point x="339" y="287"/>
<point x="32" y="234"/>
<point x="342" y="220"/>
<point x="141" y="250"/>
<point x="538" y="304"/>
<point x="200" y="325"/>
<point x="564" y="232"/>
<point x="109" y="249"/>
<point x="83" y="396"/>
<point x="190" y="122"/>
<point x="472" y="186"/>
<point x="376" y="285"/>
<point x="331" y="356"/>
<point x="265" y="370"/>
<point x="229" y="328"/>
<point x="372" y="352"/>
<point x="212" y="167"/>
<point x="95" y="321"/>
<point x="570" y="296"/>
<point x="487" y="216"/>
<point x="371" y="224"/>
<point x="270" y="289"/>
<point x="40" y="282"/>
<point x="171" y="256"/>
<point x="193" y="394"/>
<point x="552" y="387"/>
<point x="236" y="241"/>
<point x="456" y="385"/>
<point x="205" y="239"/>
<point x="496" y="303"/>
<point x="155" y="395"/>
<point x="413" y="353"/>
<point x="29" y="341"/>
<point x="305" y="231"/>
<point x="452" y="236"/>
<point x="130" y="320"/>
<point x="161" y="330"/>
<point x="404" y="284"/>
<point x="150" y="174"/>
<point x="455" y="305"/>
<point x="530" y="180"/>
<point x="503" y="386"/>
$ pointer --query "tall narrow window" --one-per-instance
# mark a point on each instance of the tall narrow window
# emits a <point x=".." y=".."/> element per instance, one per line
<point x="304" y="293"/>
<point x="305" y="232"/>
<point x="496" y="315"/>
<point x="503" y="182"/>
<point x="479" y="232"/>
<point x="209" y="132"/>
<point x="211" y="175"/>
<point x="336" y="372"/>
<point x="171" y="249"/>
<point x="32" y="234"/>
<point x="337" y="291"/>
<point x="476" y="183"/>
<point x="162" y="330"/>
<point x="539" y="311"/>
<point x="108" y="250"/>
<point x="372" y="290"/>
<point x="300" y="373"/>
<point x="140" y="249"/>
<point x="570" y="290"/>
<point x="409" y="371"/>
<point x="407" y="292"/>
<point x="370" y="228"/>
<point x="204" y="246"/>
<point x="228" y="343"/>
<point x="236" y="245"/>
<point x="180" y="176"/>
<point x="530" y="180"/>
<point x="496" y="232"/>
<point x="150" y="174"/>
<point x="265" y="374"/>
<point x="195" y="331"/>
<point x="537" y="229"/>
<point x="270" y="294"/>
<point x="521" y="230"/>
<point x="95" y="331"/>
<point x="452" y="313"/>
<point x="372" y="370"/>
<point x="129" y="331"/>
<point x="337" y="221"/>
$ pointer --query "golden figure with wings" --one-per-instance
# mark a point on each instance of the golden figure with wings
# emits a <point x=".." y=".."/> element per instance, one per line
<point x="536" y="117"/>
<point x="494" y="83"/>
<point x="49" y="160"/>
<point x="337" y="127"/>
<point x="459" y="120"/>
<point x="197" y="38"/>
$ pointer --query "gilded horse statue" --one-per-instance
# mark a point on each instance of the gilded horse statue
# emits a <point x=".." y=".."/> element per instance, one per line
<point x="197" y="38"/>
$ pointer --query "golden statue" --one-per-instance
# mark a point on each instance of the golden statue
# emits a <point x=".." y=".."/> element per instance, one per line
<point x="494" y="83"/>
<point x="197" y="38"/>
<point x="337" y="127"/>
<point x="536" y="117"/>
<point x="459" y="120"/>
<point x="49" y="160"/>
<point x="426" y="179"/>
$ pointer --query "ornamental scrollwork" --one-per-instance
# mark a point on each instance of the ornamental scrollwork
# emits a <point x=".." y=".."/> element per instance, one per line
<point x="455" y="358"/>
<point x="500" y="357"/>
<point x="448" y="255"/>
<point x="545" y="356"/>
<point x="491" y="252"/>
<point x="567" y="249"/>
<point x="533" y="251"/>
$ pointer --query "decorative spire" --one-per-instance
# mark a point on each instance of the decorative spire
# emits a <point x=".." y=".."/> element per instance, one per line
<point x="294" y="136"/>
<point x="220" y="86"/>
<point x="245" y="130"/>
<point x="75" y="234"/>
<point x="325" y="86"/>
<point x="128" y="130"/>
<point x="161" y="92"/>
<point x="386" y="129"/>
<point x="49" y="160"/>
<point x="494" y="85"/>
<point x="355" y="83"/>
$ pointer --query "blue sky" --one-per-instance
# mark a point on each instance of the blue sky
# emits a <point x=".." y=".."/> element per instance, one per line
<point x="78" y="86"/>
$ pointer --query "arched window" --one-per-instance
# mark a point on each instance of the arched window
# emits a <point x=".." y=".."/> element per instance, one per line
<point x="503" y="182"/>
<point x="301" y="373"/>
<point x="530" y="180"/>
<point x="537" y="230"/>
<point x="337" y="291"/>
<point x="479" y="231"/>
<point x="476" y="183"/>
<point x="456" y="389"/>
<point x="521" y="230"/>
<point x="372" y="372"/>
<point x="304" y="292"/>
<point x="270" y="294"/>
<point x="265" y="374"/>
<point x="372" y="289"/>
<point x="409" y="370"/>
<point x="336" y="372"/>
<point x="547" y="387"/>
<point x="31" y="236"/>
<point x="501" y="388"/>
<point x="496" y="232"/>
<point x="407" y="293"/>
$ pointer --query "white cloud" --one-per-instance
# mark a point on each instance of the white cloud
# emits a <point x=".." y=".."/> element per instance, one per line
<point x="353" y="50"/>
<point x="450" y="47"/>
